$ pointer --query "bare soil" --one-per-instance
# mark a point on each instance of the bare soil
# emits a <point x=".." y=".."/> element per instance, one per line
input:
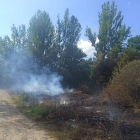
<point x="15" y="126"/>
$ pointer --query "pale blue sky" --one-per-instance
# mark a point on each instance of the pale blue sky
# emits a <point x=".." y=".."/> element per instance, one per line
<point x="20" y="12"/>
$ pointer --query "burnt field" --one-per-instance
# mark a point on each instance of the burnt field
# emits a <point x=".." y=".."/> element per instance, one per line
<point x="78" y="116"/>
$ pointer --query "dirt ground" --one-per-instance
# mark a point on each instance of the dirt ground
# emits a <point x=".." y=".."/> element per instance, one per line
<point x="14" y="126"/>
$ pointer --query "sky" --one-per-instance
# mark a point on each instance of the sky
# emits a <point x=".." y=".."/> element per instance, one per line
<point x="20" y="12"/>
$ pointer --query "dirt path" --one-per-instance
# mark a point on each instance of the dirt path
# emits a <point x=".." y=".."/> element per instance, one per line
<point x="13" y="125"/>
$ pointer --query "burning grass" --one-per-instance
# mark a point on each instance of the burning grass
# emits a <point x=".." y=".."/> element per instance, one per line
<point x="78" y="116"/>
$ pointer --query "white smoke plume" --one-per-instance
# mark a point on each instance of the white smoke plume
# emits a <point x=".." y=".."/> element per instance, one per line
<point x="20" y="73"/>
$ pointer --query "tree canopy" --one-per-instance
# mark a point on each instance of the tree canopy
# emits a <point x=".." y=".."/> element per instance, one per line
<point x="55" y="46"/>
<point x="112" y="31"/>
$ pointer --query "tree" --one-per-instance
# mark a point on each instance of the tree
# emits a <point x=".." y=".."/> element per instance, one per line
<point x="6" y="47"/>
<point x="132" y="52"/>
<point x="41" y="35"/>
<point x="134" y="42"/>
<point x="19" y="37"/>
<point x="68" y="32"/>
<point x="112" y="36"/>
<point x="112" y="32"/>
<point x="102" y="72"/>
<point x="17" y="42"/>
<point x="91" y="36"/>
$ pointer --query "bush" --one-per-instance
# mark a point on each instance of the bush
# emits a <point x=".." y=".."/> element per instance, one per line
<point x="124" y="88"/>
<point x="39" y="112"/>
<point x="102" y="72"/>
<point x="30" y="107"/>
<point x="23" y="98"/>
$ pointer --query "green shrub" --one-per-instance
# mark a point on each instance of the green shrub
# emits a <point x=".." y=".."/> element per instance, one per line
<point x="124" y="88"/>
<point x="40" y="112"/>
<point x="32" y="110"/>
<point x="23" y="98"/>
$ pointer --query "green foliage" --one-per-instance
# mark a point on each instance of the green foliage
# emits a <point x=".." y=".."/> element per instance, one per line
<point x="56" y="47"/>
<point x="69" y="63"/>
<point x="129" y="54"/>
<point x="41" y="35"/>
<point x="67" y="31"/>
<point x="6" y="47"/>
<point x="91" y="36"/>
<point x="23" y="98"/>
<point x="17" y="42"/>
<point x="132" y="52"/>
<point x="112" y="33"/>
<point x="70" y="56"/>
<point x="19" y="37"/>
<point x="30" y="109"/>
<point x="38" y="112"/>
<point x="134" y="42"/>
<point x="124" y="88"/>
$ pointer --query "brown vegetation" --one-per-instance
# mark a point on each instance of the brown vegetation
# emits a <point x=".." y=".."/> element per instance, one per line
<point x="124" y="88"/>
<point x="83" y="118"/>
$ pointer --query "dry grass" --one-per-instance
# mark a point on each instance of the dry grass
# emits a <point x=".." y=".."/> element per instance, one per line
<point x="79" y="120"/>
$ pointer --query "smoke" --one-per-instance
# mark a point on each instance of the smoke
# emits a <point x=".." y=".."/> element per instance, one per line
<point x="67" y="90"/>
<point x="20" y="73"/>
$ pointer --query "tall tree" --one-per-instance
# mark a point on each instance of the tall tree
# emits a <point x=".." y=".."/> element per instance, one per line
<point x="19" y="37"/>
<point x="112" y="31"/>
<point x="112" y="36"/>
<point x="67" y="37"/>
<point x="6" y="47"/>
<point x="68" y="31"/>
<point x="15" y="44"/>
<point x="41" y="35"/>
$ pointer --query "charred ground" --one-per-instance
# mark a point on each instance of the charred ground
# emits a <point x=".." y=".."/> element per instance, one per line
<point x="77" y="116"/>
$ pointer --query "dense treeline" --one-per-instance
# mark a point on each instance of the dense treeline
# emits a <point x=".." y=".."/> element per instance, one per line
<point x="56" y="47"/>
